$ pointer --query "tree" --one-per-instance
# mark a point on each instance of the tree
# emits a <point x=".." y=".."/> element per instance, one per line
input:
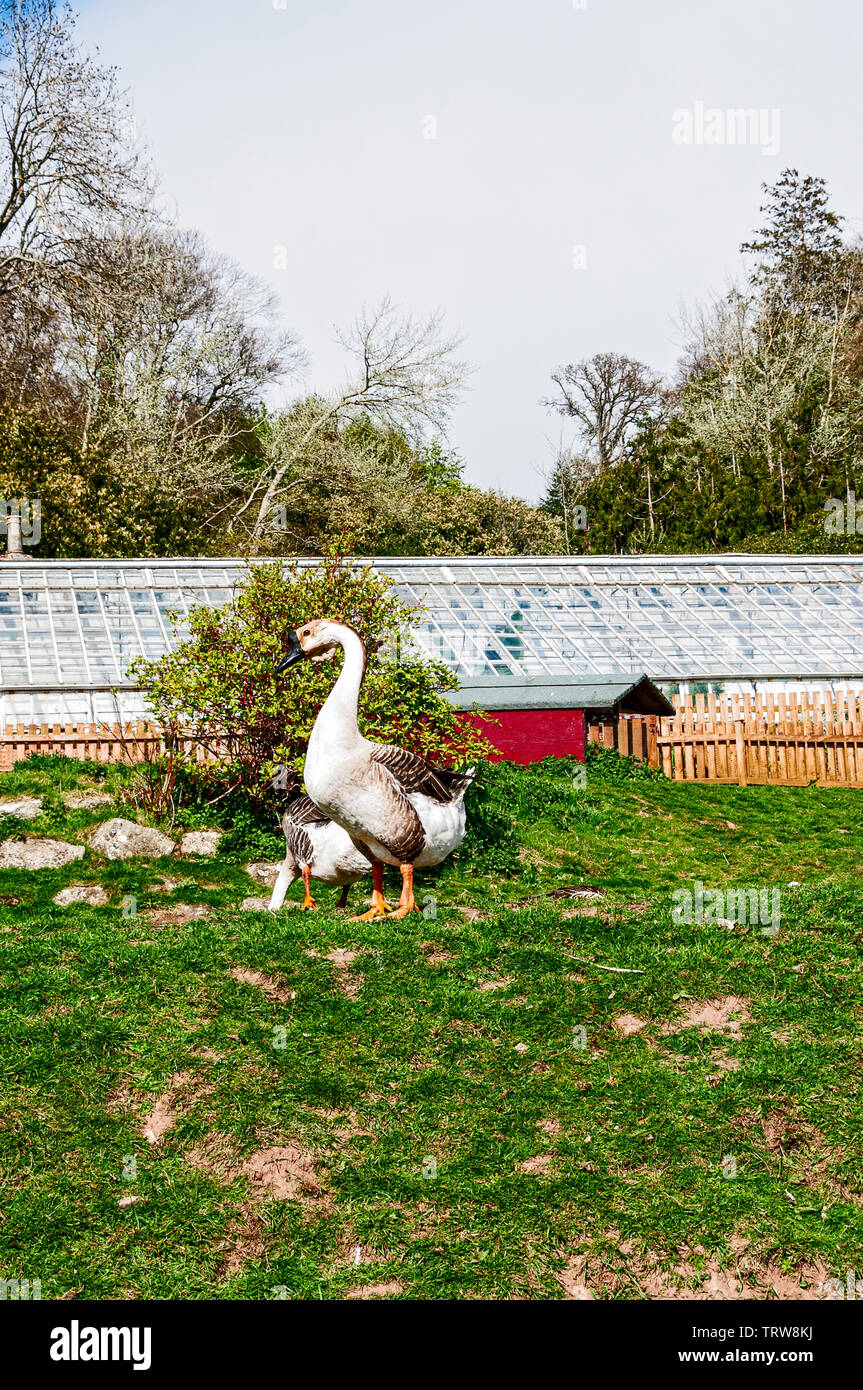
<point x="609" y="395"/>
<point x="479" y="521"/>
<point x="406" y="378"/>
<point x="67" y="164"/>
<point x="799" y="248"/>
<point x="166" y="348"/>
<point x="565" y="492"/>
<point x="219" y="686"/>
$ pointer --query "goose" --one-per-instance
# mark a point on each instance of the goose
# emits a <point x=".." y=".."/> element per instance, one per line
<point x="315" y="847"/>
<point x="395" y="806"/>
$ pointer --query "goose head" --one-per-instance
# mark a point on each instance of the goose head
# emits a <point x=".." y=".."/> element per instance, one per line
<point x="316" y="641"/>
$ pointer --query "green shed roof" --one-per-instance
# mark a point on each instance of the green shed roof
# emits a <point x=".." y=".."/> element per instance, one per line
<point x="495" y="693"/>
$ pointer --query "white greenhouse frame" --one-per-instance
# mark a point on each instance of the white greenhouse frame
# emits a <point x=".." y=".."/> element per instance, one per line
<point x="69" y="628"/>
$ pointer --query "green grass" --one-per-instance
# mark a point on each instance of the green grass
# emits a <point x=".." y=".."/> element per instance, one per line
<point x="404" y="1057"/>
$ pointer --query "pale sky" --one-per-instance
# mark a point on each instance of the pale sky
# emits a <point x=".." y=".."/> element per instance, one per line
<point x="305" y="126"/>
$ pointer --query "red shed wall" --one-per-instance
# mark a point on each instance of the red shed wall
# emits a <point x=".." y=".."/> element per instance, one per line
<point x="526" y="735"/>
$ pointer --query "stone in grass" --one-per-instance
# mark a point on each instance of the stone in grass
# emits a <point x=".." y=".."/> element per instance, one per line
<point x="38" y="854"/>
<point x="264" y="873"/>
<point x="125" y="839"/>
<point x="89" y="893"/>
<point x="255" y="905"/>
<point x="24" y="807"/>
<point x="201" y="842"/>
<point x="85" y="801"/>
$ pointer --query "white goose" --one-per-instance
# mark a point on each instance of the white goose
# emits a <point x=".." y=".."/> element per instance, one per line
<point x="392" y="803"/>
<point x="315" y="847"/>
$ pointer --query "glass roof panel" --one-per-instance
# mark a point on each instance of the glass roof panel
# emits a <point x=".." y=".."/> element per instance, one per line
<point x="80" y="623"/>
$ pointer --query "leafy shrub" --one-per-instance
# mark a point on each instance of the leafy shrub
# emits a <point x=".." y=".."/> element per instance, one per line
<point x="490" y="844"/>
<point x="219" y="687"/>
<point x="612" y="766"/>
<point x="252" y="836"/>
<point x="505" y="795"/>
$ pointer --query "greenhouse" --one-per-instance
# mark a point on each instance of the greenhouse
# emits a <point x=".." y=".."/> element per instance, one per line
<point x="70" y="628"/>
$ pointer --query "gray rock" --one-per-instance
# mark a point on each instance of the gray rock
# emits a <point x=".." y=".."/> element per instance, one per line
<point x="264" y="873"/>
<point x="255" y="905"/>
<point x="24" y="807"/>
<point x="85" y="801"/>
<point x="125" y="839"/>
<point x="81" y="893"/>
<point x="201" y="842"/>
<point x="38" y="854"/>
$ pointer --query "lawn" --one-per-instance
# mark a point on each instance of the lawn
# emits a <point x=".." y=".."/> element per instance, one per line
<point x="512" y="1095"/>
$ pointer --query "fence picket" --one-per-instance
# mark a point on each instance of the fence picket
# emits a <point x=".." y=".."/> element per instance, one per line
<point x="790" y="739"/>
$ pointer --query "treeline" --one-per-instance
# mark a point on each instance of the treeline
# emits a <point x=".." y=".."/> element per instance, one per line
<point x="135" y="362"/>
<point x="136" y="365"/>
<point x="764" y="424"/>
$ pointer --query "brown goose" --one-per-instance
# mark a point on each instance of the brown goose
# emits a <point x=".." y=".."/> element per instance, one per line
<point x="315" y="847"/>
<point x="394" y="805"/>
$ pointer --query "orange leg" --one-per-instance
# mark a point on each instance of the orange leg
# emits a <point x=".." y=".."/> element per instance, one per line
<point x="308" y="900"/>
<point x="380" y="907"/>
<point x="406" y="901"/>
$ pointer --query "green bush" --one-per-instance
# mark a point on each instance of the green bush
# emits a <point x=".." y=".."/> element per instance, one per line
<point x="491" y="844"/>
<point x="220" y="688"/>
<point x="612" y="766"/>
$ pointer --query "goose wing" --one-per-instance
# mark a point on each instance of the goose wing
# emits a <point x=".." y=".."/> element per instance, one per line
<point x="303" y="811"/>
<point x="299" y="814"/>
<point x="414" y="774"/>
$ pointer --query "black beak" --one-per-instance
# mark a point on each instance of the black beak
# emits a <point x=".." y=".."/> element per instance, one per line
<point x="294" y="653"/>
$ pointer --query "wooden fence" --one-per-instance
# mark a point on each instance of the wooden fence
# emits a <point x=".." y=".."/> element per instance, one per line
<point x="635" y="735"/>
<point x="790" y="739"/>
<point x="104" y="743"/>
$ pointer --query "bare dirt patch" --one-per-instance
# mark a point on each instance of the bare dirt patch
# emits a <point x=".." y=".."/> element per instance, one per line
<point x="724" y="1064"/>
<point x="280" y="1172"/>
<point x="690" y="1274"/>
<point x="175" y="916"/>
<point x="571" y="1283"/>
<point x="245" y="1241"/>
<point x="283" y="1172"/>
<point x="388" y="1290"/>
<point x="810" y="1158"/>
<point x="216" y="1155"/>
<point x="349" y="983"/>
<point x="342" y="958"/>
<point x="488" y="986"/>
<point x="627" y="1024"/>
<point x="539" y="1164"/>
<point x="182" y="1091"/>
<point x="434" y="955"/>
<point x="274" y="989"/>
<point x="349" y="1124"/>
<point x="723" y="1015"/>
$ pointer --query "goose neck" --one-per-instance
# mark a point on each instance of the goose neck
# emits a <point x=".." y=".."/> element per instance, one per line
<point x="342" y="702"/>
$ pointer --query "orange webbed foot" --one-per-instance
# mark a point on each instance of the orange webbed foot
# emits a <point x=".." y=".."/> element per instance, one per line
<point x="379" y="908"/>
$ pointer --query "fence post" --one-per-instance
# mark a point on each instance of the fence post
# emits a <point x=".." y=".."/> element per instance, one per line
<point x="741" y="752"/>
<point x="652" y="744"/>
